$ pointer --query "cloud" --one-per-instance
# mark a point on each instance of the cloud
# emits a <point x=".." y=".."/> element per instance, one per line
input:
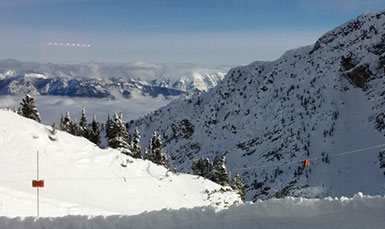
<point x="52" y="107"/>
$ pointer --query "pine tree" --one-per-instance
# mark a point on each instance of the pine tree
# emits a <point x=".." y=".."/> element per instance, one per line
<point x="108" y="127"/>
<point x="53" y="132"/>
<point x="65" y="122"/>
<point x="74" y="128"/>
<point x="61" y="123"/>
<point x="118" y="134"/>
<point x="135" y="145"/>
<point x="83" y="124"/>
<point x="238" y="186"/>
<point x="94" y="132"/>
<point x="203" y="167"/>
<point x="69" y="126"/>
<point x="28" y="108"/>
<point x="222" y="176"/>
<point x="155" y="153"/>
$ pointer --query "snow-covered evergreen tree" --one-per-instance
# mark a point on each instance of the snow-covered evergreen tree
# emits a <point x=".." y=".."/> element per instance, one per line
<point x="155" y="152"/>
<point x="65" y="122"/>
<point x="108" y="127"/>
<point x="221" y="175"/>
<point x="74" y="128"/>
<point x="53" y="132"/>
<point x="135" y="145"/>
<point x="83" y="124"/>
<point x="203" y="167"/>
<point x="28" y="108"/>
<point x="94" y="132"/>
<point x="117" y="137"/>
<point x="238" y="186"/>
<point x="69" y="126"/>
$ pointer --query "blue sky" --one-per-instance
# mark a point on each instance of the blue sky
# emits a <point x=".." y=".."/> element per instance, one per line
<point x="229" y="32"/>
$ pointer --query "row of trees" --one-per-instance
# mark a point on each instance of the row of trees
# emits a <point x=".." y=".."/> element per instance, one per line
<point x="217" y="172"/>
<point x="116" y="133"/>
<point x="83" y="128"/>
<point x="119" y="138"/>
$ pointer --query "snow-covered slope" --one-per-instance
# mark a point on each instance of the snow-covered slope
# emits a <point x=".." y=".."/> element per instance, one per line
<point x="81" y="178"/>
<point x="101" y="79"/>
<point x="359" y="212"/>
<point x="319" y="102"/>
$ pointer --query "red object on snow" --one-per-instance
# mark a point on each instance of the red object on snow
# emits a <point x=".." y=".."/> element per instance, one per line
<point x="38" y="183"/>
<point x="307" y="163"/>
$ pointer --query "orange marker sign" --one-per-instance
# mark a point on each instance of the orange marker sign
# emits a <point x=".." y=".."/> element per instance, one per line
<point x="38" y="183"/>
<point x="307" y="163"/>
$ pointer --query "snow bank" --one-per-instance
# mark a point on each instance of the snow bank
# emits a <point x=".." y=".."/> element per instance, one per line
<point x="357" y="212"/>
<point x="82" y="179"/>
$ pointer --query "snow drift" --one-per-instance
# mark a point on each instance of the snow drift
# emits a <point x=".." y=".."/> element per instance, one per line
<point x="358" y="212"/>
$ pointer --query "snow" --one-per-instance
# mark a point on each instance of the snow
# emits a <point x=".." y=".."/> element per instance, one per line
<point x="179" y="76"/>
<point x="300" y="106"/>
<point x="358" y="212"/>
<point x="82" y="179"/>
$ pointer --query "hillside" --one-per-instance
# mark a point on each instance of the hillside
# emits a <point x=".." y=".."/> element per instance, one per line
<point x="82" y="179"/>
<point x="320" y="102"/>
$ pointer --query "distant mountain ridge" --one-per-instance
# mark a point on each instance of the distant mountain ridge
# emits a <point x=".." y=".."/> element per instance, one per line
<point x="105" y="80"/>
<point x="312" y="103"/>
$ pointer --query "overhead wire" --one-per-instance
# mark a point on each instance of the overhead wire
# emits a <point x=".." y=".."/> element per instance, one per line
<point x="311" y="159"/>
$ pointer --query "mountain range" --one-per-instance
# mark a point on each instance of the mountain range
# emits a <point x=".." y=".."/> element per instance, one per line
<point x="106" y="80"/>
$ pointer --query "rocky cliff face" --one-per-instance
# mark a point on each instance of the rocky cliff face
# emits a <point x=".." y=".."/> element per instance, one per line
<point x="319" y="102"/>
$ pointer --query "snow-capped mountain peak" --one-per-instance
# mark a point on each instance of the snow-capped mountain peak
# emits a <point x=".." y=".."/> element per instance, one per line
<point x="135" y="77"/>
<point x="312" y="103"/>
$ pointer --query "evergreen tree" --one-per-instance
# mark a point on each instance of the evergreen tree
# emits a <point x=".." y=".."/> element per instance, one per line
<point x="94" y="132"/>
<point x="61" y="127"/>
<point x="135" y="145"/>
<point x="155" y="153"/>
<point x="53" y="132"/>
<point x="83" y="124"/>
<point x="118" y="134"/>
<point x="108" y="127"/>
<point x="69" y="126"/>
<point x="203" y="167"/>
<point x="74" y="128"/>
<point x="222" y="176"/>
<point x="28" y="108"/>
<point x="65" y="122"/>
<point x="238" y="186"/>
